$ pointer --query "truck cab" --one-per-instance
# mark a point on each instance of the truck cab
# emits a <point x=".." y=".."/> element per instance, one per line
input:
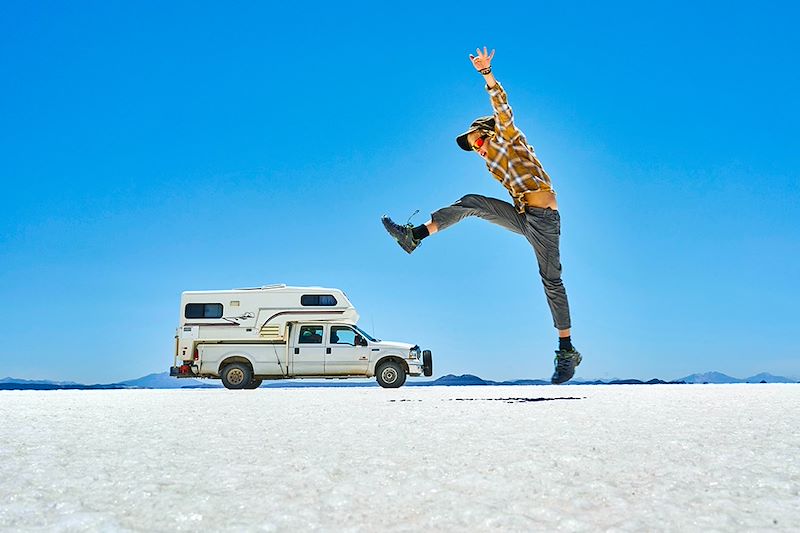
<point x="244" y="336"/>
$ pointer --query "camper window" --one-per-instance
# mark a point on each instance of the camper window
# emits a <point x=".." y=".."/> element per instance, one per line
<point x="310" y="335"/>
<point x="317" y="300"/>
<point x="203" y="311"/>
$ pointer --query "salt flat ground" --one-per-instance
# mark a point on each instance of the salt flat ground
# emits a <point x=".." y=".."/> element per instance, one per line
<point x="625" y="458"/>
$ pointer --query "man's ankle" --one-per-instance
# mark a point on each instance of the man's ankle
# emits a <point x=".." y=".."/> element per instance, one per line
<point x="565" y="343"/>
<point x="420" y="232"/>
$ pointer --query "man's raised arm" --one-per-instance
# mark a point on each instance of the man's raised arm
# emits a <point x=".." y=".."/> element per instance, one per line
<point x="504" y="118"/>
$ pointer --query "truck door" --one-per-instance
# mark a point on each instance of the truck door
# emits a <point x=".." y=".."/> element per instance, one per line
<point x="308" y="353"/>
<point x="343" y="356"/>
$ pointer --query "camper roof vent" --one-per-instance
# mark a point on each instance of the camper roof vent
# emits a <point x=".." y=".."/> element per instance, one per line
<point x="273" y="286"/>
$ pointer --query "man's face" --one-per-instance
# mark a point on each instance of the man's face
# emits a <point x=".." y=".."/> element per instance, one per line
<point x="479" y="140"/>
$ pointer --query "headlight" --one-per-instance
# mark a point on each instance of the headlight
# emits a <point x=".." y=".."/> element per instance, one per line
<point x="413" y="353"/>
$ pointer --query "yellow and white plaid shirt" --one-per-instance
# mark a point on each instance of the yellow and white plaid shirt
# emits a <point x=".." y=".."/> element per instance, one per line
<point x="511" y="160"/>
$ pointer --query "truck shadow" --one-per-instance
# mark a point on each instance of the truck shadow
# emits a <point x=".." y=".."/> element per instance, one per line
<point x="506" y="400"/>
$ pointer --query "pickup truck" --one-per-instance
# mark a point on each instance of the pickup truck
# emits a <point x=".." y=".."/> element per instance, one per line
<point x="246" y="336"/>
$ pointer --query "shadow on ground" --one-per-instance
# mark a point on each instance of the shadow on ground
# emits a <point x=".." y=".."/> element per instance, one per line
<point x="507" y="400"/>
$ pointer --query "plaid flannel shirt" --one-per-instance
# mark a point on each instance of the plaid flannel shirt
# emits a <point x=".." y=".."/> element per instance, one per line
<point x="511" y="160"/>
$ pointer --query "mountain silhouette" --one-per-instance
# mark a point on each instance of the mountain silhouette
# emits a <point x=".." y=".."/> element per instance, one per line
<point x="163" y="380"/>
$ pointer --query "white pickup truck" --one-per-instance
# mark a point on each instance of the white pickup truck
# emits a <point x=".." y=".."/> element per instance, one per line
<point x="244" y="336"/>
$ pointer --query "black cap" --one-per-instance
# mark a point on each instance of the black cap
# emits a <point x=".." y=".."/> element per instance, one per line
<point x="480" y="123"/>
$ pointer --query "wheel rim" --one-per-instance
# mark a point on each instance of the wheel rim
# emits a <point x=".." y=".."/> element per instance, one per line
<point x="389" y="375"/>
<point x="235" y="376"/>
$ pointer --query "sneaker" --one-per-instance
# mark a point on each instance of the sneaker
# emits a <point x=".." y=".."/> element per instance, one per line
<point x="565" y="361"/>
<point x="402" y="234"/>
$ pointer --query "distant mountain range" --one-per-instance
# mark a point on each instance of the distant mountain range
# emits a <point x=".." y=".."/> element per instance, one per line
<point x="164" y="381"/>
<point x="150" y="381"/>
<point x="718" y="377"/>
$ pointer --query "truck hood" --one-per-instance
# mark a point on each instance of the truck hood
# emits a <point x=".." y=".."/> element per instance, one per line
<point x="389" y="344"/>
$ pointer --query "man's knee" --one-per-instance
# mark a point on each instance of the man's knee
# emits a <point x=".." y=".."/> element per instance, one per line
<point x="472" y="201"/>
<point x="551" y="278"/>
<point x="549" y="267"/>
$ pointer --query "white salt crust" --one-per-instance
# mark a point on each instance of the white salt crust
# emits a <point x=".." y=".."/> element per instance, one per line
<point x="619" y="458"/>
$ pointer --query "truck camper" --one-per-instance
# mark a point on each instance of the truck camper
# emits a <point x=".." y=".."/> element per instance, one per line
<point x="244" y="336"/>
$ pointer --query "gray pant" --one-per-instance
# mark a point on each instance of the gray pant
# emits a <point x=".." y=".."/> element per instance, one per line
<point x="542" y="228"/>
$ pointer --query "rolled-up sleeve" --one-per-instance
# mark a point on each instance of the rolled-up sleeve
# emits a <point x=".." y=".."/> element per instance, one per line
<point x="503" y="116"/>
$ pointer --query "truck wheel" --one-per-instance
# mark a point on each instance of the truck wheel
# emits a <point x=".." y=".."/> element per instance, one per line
<point x="390" y="375"/>
<point x="427" y="363"/>
<point x="254" y="384"/>
<point x="236" y="376"/>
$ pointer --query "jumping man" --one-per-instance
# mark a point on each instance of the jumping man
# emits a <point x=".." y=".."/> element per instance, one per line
<point x="534" y="213"/>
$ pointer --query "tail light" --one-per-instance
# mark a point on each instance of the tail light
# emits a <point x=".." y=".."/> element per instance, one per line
<point x="196" y="354"/>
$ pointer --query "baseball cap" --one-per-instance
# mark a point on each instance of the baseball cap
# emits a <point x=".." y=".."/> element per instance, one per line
<point x="480" y="123"/>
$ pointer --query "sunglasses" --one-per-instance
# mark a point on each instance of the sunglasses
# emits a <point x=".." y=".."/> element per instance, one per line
<point x="479" y="142"/>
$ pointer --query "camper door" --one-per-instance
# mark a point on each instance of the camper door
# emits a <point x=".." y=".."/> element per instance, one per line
<point x="308" y="354"/>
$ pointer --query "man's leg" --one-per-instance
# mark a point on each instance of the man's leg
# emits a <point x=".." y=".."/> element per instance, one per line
<point x="543" y="232"/>
<point x="496" y="211"/>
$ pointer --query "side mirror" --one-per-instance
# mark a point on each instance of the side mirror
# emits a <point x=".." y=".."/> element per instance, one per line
<point x="361" y="341"/>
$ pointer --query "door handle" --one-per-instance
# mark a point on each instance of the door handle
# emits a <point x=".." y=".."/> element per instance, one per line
<point x="297" y="351"/>
<point x="328" y="351"/>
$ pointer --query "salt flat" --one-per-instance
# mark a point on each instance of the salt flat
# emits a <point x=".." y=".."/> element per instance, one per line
<point x="625" y="458"/>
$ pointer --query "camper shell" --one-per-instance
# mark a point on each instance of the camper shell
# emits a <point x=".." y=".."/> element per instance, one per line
<point x="244" y="336"/>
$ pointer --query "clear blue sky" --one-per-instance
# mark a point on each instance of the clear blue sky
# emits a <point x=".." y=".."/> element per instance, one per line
<point x="146" y="150"/>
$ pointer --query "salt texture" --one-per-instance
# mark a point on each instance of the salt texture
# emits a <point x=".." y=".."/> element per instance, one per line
<point x="629" y="458"/>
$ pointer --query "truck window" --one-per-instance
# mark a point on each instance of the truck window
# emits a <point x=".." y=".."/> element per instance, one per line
<point x="203" y="311"/>
<point x="343" y="335"/>
<point x="318" y="300"/>
<point x="310" y="335"/>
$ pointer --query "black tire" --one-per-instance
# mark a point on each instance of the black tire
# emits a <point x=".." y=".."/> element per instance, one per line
<point x="390" y="375"/>
<point x="427" y="363"/>
<point x="254" y="384"/>
<point x="236" y="376"/>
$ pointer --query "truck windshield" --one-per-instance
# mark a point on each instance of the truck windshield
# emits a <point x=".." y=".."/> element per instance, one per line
<point x="364" y="333"/>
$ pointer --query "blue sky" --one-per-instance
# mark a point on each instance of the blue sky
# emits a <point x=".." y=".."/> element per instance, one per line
<point x="146" y="150"/>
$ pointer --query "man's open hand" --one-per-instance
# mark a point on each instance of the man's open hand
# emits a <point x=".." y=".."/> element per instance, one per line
<point x="483" y="60"/>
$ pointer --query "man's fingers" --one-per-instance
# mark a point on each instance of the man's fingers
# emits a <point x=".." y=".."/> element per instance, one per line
<point x="482" y="54"/>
